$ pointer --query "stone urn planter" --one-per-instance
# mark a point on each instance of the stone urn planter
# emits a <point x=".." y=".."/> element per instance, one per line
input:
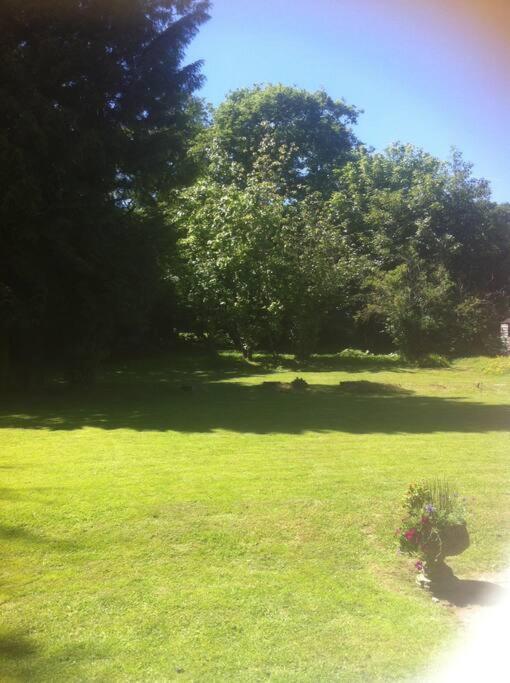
<point x="453" y="540"/>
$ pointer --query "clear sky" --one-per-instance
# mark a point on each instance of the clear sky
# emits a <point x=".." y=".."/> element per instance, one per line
<point x="435" y="73"/>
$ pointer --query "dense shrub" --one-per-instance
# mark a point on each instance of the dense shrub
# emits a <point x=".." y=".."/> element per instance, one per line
<point x="433" y="360"/>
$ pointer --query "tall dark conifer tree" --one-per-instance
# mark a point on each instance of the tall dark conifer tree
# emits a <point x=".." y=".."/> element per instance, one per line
<point x="94" y="122"/>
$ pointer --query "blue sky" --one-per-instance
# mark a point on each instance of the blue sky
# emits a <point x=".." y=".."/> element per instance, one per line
<point x="421" y="74"/>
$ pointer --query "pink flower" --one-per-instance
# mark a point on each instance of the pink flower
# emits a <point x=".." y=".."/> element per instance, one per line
<point x="410" y="534"/>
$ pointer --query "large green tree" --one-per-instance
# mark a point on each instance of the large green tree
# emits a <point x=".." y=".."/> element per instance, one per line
<point x="261" y="261"/>
<point x="94" y="117"/>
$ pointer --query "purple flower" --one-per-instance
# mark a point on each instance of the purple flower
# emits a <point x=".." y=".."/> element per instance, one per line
<point x="430" y="508"/>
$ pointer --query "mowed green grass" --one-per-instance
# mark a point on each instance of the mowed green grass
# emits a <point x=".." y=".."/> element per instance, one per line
<point x="237" y="532"/>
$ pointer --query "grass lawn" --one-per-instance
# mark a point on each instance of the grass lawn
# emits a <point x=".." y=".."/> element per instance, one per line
<point x="238" y="532"/>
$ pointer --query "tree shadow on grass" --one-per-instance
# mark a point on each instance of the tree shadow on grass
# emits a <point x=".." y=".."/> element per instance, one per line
<point x="20" y="657"/>
<point x="23" y="535"/>
<point x="251" y="408"/>
<point x="367" y="388"/>
<point x="198" y="367"/>
<point x="17" y="533"/>
<point x="15" y="646"/>
<point x="7" y="494"/>
<point x="18" y="654"/>
<point x="213" y="367"/>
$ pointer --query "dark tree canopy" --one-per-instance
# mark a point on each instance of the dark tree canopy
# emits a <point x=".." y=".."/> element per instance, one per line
<point x="94" y="120"/>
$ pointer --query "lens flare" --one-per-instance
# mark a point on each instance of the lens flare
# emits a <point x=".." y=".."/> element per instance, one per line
<point x="482" y="653"/>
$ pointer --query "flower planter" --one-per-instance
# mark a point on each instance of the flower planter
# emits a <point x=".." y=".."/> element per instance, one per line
<point x="434" y="529"/>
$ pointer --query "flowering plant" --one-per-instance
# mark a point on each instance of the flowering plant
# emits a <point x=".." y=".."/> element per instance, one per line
<point x="431" y="509"/>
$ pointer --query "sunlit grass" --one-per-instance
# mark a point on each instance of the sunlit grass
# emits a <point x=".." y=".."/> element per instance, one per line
<point x="180" y="521"/>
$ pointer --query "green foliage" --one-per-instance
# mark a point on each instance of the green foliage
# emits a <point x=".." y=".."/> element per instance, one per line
<point x="354" y="353"/>
<point x="439" y="494"/>
<point x="433" y="360"/>
<point x="425" y="313"/>
<point x="303" y="137"/>
<point x="225" y="230"/>
<point x="384" y="249"/>
<point x="404" y="201"/>
<point x="426" y="236"/>
<point x="257" y="267"/>
<point x="358" y="354"/>
<point x="415" y="306"/>
<point x="450" y="508"/>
